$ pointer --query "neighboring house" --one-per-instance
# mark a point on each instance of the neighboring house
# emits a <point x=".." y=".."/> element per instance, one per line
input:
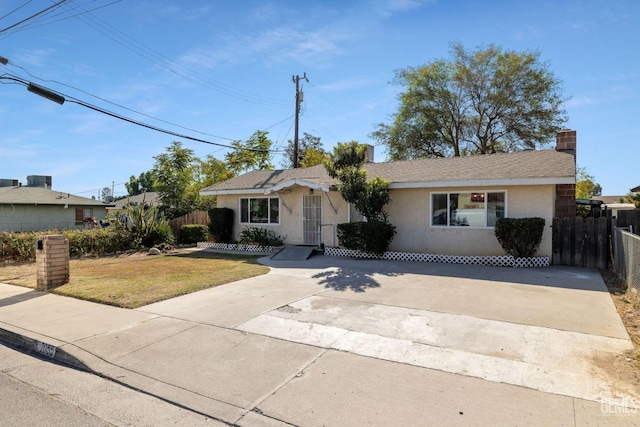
<point x="636" y="189"/>
<point x="148" y="198"/>
<point x="614" y="204"/>
<point x="35" y="207"/>
<point x="439" y="206"/>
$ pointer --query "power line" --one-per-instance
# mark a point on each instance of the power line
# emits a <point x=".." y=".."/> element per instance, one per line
<point x="172" y="66"/>
<point x="16" y="9"/>
<point x="40" y="19"/>
<point x="53" y="6"/>
<point x="118" y="105"/>
<point x="60" y="98"/>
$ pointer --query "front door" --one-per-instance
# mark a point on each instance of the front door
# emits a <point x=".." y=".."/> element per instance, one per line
<point x="311" y="219"/>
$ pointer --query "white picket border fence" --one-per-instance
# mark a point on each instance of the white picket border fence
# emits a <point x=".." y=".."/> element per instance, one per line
<point x="496" y="261"/>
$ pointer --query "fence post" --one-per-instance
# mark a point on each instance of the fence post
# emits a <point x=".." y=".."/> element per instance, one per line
<point x="590" y="243"/>
<point x="556" y="242"/>
<point x="602" y="240"/>
<point x="566" y="241"/>
<point x="578" y="240"/>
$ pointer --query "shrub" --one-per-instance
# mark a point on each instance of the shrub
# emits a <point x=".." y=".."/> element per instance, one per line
<point x="18" y="246"/>
<point x="259" y="236"/>
<point x="221" y="224"/>
<point x="21" y="246"/>
<point x="372" y="237"/>
<point x="145" y="224"/>
<point x="519" y="237"/>
<point x="194" y="233"/>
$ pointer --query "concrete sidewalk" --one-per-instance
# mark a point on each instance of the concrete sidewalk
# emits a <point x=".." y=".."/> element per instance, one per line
<point x="331" y="341"/>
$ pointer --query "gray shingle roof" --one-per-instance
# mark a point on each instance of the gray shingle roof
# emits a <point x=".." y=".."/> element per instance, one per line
<point x="43" y="196"/>
<point x="149" y="197"/>
<point x="523" y="166"/>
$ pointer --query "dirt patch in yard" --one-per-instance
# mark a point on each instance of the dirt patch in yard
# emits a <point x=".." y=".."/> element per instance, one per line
<point x="624" y="368"/>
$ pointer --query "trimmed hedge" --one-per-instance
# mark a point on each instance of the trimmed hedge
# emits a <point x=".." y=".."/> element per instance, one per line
<point x="221" y="224"/>
<point x="519" y="237"/>
<point x="194" y="233"/>
<point x="21" y="246"/>
<point x="372" y="237"/>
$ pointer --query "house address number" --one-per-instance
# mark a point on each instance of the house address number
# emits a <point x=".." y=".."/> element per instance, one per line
<point x="46" y="349"/>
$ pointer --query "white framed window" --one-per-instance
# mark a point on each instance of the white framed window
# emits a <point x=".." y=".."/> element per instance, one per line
<point x="479" y="209"/>
<point x="260" y="210"/>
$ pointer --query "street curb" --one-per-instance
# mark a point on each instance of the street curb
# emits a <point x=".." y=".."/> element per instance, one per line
<point x="41" y="348"/>
<point x="222" y="411"/>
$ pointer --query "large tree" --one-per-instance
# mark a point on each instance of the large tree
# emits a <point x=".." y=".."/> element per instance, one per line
<point x="310" y="152"/>
<point x="173" y="175"/>
<point x="586" y="186"/>
<point x="142" y="184"/>
<point x="206" y="172"/>
<point x="481" y="102"/>
<point x="253" y="154"/>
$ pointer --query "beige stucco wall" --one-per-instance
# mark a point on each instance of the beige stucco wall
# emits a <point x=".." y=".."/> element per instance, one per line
<point x="409" y="211"/>
<point x="41" y="218"/>
<point x="290" y="227"/>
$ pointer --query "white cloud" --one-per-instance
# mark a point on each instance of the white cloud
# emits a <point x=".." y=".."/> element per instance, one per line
<point x="274" y="45"/>
<point x="35" y="57"/>
<point x="386" y="8"/>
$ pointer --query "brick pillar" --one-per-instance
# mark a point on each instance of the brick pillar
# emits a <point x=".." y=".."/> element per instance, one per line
<point x="52" y="261"/>
<point x="566" y="142"/>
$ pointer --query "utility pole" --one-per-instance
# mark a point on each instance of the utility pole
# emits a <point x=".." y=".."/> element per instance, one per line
<point x="299" y="99"/>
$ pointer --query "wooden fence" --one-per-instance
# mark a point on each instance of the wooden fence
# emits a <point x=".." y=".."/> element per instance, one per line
<point x="195" y="217"/>
<point x="587" y="242"/>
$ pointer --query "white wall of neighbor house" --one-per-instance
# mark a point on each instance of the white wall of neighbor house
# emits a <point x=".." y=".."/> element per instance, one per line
<point x="410" y="212"/>
<point x="42" y="218"/>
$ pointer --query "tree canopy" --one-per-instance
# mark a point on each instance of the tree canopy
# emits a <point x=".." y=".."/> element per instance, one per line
<point x="368" y="197"/>
<point x="481" y="102"/>
<point x="586" y="186"/>
<point x="173" y="174"/>
<point x="142" y="184"/>
<point x="310" y="152"/>
<point x="253" y="154"/>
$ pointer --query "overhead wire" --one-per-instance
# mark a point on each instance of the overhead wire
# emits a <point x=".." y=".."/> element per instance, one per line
<point x="172" y="66"/>
<point x="47" y="18"/>
<point x="138" y="112"/>
<point x="30" y="17"/>
<point x="15" y="10"/>
<point x="118" y="105"/>
<point x="74" y="100"/>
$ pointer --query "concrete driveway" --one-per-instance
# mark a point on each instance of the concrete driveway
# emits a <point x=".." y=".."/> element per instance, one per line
<point x="333" y="341"/>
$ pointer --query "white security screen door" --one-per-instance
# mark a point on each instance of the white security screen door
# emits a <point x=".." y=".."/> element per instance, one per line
<point x="311" y="219"/>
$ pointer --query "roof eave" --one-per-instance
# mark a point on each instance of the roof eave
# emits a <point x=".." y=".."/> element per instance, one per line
<point x="485" y="182"/>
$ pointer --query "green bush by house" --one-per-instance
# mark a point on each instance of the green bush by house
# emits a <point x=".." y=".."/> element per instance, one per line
<point x="194" y="233"/>
<point x="221" y="224"/>
<point x="519" y="237"/>
<point x="373" y="237"/>
<point x="259" y="236"/>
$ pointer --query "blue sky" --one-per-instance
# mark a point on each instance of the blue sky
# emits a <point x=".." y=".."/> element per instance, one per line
<point x="219" y="71"/>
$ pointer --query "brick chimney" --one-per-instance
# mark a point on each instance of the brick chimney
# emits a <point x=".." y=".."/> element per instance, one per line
<point x="566" y="142"/>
